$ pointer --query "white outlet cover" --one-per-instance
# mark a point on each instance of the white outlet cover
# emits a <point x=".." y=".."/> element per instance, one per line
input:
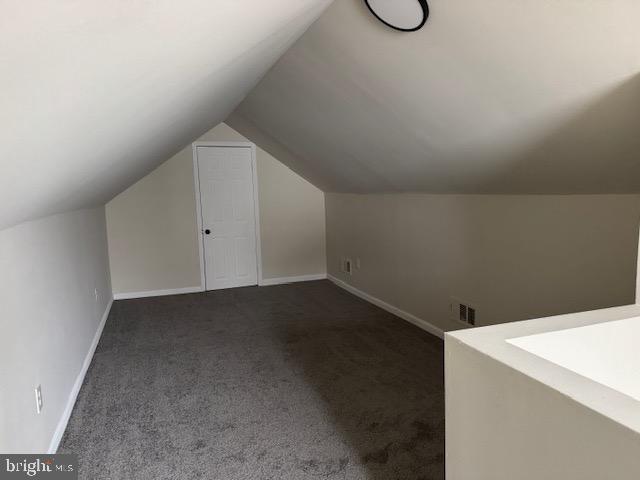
<point x="38" y="399"/>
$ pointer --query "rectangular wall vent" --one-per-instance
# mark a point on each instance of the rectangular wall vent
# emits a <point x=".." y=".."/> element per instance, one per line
<point x="471" y="316"/>
<point x="462" y="311"/>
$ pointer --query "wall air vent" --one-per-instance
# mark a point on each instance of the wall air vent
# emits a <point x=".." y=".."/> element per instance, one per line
<point x="462" y="311"/>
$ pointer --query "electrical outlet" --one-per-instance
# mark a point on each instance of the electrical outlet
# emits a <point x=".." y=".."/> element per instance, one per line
<point x="346" y="266"/>
<point x="38" y="399"/>
<point x="95" y="292"/>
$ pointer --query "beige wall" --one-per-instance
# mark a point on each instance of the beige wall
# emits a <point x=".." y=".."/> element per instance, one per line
<point x="512" y="257"/>
<point x="50" y="270"/>
<point x="152" y="229"/>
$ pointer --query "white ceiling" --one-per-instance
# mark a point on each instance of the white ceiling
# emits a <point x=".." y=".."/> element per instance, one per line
<point x="492" y="96"/>
<point x="94" y="94"/>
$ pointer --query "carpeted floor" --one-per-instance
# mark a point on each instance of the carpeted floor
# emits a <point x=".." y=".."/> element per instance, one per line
<point x="291" y="382"/>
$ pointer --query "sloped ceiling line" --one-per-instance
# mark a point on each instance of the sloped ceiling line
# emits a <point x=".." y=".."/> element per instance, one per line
<point x="97" y="94"/>
<point x="491" y="96"/>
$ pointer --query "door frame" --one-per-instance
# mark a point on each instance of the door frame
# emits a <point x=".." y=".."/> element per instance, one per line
<point x="256" y="203"/>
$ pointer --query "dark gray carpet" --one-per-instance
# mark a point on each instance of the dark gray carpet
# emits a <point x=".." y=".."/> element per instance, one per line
<point x="290" y="382"/>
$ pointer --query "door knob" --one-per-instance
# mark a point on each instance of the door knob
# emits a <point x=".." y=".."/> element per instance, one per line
<point x="207" y="231"/>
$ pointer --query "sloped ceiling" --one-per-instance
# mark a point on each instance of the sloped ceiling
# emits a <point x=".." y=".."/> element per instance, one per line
<point x="492" y="96"/>
<point x="94" y="94"/>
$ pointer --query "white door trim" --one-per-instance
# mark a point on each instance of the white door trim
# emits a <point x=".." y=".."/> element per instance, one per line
<point x="256" y="203"/>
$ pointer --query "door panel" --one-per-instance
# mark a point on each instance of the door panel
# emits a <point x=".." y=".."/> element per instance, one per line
<point x="242" y="269"/>
<point x="228" y="211"/>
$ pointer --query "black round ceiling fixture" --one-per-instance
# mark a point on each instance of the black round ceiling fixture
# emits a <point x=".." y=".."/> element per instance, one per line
<point x="403" y="15"/>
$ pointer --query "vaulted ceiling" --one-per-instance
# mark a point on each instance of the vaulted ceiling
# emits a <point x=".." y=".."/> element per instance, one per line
<point x="491" y="96"/>
<point x="94" y="94"/>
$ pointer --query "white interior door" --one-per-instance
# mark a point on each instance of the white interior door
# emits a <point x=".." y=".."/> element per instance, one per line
<point x="228" y="216"/>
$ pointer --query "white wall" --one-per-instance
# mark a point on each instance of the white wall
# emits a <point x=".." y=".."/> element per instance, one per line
<point x="638" y="274"/>
<point x="502" y="424"/>
<point x="49" y="317"/>
<point x="138" y="82"/>
<point x="152" y="226"/>
<point x="512" y="257"/>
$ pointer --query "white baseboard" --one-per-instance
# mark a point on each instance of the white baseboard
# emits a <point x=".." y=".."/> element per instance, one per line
<point x="419" y="322"/>
<point x="73" y="395"/>
<point x="179" y="291"/>
<point x="157" y="293"/>
<point x="301" y="278"/>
